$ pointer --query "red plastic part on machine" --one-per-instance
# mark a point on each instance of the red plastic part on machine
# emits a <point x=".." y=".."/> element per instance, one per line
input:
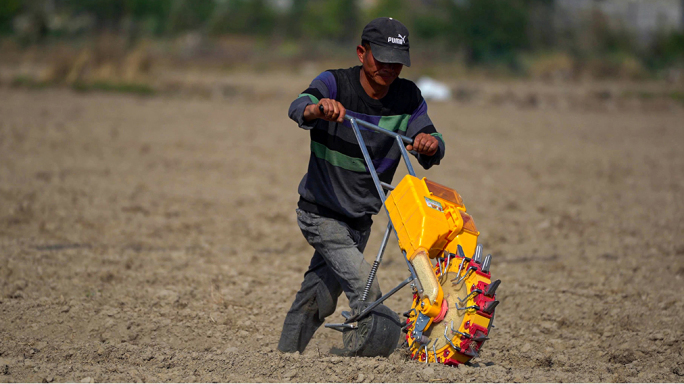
<point x="449" y="358"/>
<point x="478" y="270"/>
<point x="481" y="300"/>
<point x="451" y="362"/>
<point x="475" y="331"/>
<point x="442" y="312"/>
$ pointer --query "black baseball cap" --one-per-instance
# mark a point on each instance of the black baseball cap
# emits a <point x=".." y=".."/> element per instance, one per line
<point x="388" y="39"/>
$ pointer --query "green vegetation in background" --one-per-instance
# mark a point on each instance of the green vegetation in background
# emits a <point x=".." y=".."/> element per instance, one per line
<point x="161" y="17"/>
<point x="188" y="15"/>
<point x="27" y="82"/>
<point x="8" y="10"/>
<point x="489" y="33"/>
<point x="334" y="20"/>
<point x="398" y="9"/>
<point x="677" y="96"/>
<point x="666" y="51"/>
<point x="248" y="17"/>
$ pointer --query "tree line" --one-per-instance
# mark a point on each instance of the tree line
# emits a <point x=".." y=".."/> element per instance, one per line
<point x="482" y="31"/>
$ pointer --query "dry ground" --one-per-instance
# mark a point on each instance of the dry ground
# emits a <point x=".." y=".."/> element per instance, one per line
<point x="154" y="239"/>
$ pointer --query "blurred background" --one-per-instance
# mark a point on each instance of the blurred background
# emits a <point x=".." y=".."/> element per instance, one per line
<point x="130" y="45"/>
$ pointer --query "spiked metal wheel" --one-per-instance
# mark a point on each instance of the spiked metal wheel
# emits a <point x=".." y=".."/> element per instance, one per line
<point x="457" y="334"/>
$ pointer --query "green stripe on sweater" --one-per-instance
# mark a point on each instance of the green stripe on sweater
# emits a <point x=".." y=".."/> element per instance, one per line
<point x="396" y="123"/>
<point x="312" y="97"/>
<point x="337" y="159"/>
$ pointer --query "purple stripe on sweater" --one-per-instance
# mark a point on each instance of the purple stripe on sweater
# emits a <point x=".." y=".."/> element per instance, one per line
<point x="360" y="116"/>
<point x="420" y="111"/>
<point x="329" y="80"/>
<point x="383" y="165"/>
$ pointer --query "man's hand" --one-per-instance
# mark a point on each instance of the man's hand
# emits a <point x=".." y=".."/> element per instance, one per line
<point x="332" y="111"/>
<point x="424" y="144"/>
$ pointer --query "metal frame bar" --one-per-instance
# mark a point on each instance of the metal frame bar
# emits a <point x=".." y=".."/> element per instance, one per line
<point x="375" y="128"/>
<point x="404" y="154"/>
<point x="401" y="141"/>
<point x="367" y="159"/>
<point x="379" y="301"/>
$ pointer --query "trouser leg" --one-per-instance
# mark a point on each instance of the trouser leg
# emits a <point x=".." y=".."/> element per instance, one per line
<point x="338" y="265"/>
<point x="316" y="299"/>
<point x="342" y="249"/>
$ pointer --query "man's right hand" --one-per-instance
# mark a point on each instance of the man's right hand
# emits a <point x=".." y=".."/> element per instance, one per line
<point x="332" y="111"/>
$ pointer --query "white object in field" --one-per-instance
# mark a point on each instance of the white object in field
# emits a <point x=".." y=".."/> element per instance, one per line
<point x="433" y="89"/>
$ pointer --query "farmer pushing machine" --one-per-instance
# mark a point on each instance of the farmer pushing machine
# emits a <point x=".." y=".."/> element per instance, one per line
<point x="362" y="122"/>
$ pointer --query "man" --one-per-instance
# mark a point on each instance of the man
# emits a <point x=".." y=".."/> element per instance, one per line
<point x="337" y="195"/>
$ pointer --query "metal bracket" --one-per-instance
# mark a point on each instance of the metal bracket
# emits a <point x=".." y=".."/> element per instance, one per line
<point x="421" y="323"/>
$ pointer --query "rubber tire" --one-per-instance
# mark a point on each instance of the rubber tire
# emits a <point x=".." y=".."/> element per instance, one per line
<point x="377" y="334"/>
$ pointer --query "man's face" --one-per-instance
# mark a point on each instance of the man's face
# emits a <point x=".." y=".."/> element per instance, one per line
<point x="377" y="71"/>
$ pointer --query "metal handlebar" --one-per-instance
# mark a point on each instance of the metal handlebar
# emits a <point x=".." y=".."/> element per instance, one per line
<point x="401" y="139"/>
<point x="375" y="128"/>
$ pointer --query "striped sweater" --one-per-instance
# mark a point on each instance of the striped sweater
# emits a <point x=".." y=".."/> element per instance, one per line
<point x="337" y="183"/>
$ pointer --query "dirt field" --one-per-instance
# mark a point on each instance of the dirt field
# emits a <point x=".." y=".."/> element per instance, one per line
<point x="154" y="239"/>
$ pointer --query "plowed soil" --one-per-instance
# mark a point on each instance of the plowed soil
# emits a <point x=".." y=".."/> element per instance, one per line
<point x="155" y="239"/>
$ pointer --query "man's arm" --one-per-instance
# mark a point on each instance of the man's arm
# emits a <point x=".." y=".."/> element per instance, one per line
<point x="326" y="109"/>
<point x="426" y="140"/>
<point x="321" y="92"/>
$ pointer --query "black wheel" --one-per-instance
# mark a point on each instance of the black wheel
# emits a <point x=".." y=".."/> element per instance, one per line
<point x="376" y="335"/>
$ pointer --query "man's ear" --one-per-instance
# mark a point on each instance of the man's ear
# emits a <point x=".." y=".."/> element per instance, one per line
<point x="360" y="52"/>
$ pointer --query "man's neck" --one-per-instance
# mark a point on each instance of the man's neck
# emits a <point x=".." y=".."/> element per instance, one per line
<point x="373" y="89"/>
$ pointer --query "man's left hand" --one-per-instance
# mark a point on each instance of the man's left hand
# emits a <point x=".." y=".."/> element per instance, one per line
<point x="424" y="144"/>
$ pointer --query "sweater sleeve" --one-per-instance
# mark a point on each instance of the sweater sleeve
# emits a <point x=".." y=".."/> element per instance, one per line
<point x="322" y="87"/>
<point x="420" y="123"/>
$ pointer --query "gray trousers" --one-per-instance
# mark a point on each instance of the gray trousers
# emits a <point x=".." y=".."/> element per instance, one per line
<point x="336" y="266"/>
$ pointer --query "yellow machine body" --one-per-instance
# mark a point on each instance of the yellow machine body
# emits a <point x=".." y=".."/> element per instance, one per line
<point x="430" y="216"/>
<point x="429" y="219"/>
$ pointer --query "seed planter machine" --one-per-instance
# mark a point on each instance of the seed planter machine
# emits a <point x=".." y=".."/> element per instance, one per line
<point x="454" y="297"/>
